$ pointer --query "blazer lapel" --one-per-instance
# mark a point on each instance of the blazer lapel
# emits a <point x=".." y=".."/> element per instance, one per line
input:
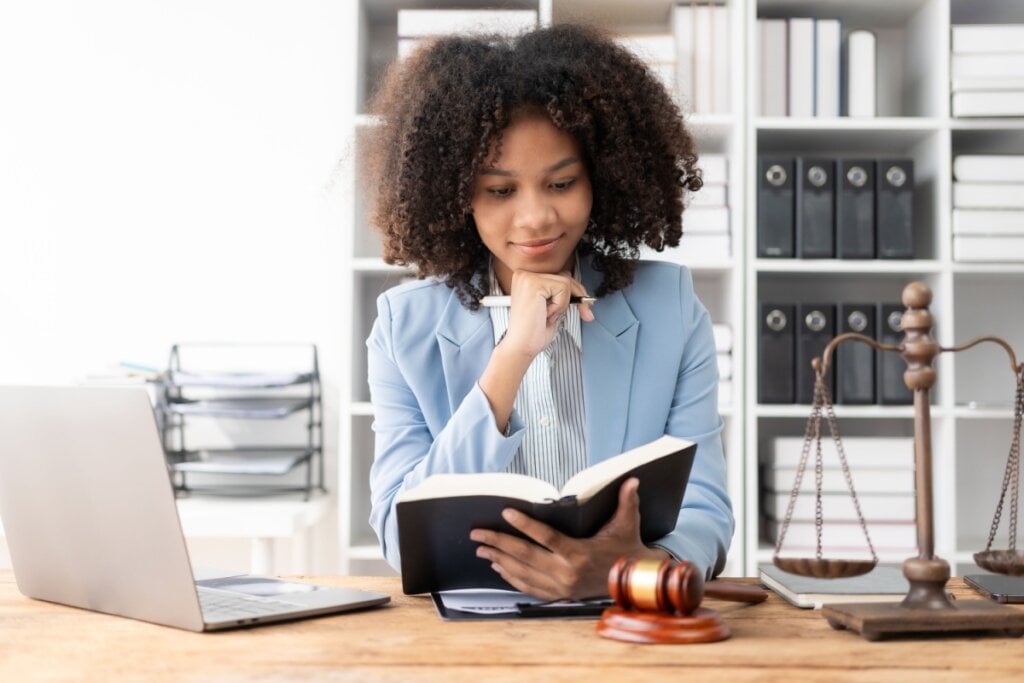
<point x="609" y="344"/>
<point x="466" y="341"/>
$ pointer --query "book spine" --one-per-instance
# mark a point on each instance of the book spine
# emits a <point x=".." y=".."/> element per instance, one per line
<point x="988" y="222"/>
<point x="683" y="31"/>
<point x="988" y="248"/>
<point x="827" y="74"/>
<point x="996" y="65"/>
<point x="988" y="195"/>
<point x="997" y="168"/>
<point x="988" y="103"/>
<point x="880" y="452"/>
<point x="987" y="38"/>
<point x="801" y="66"/>
<point x="860" y="74"/>
<point x="774" y="48"/>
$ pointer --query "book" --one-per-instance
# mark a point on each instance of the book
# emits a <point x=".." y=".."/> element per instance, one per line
<point x="974" y="83"/>
<point x="801" y="66"/>
<point x="436" y="516"/>
<point x="988" y="195"/>
<point x="989" y="168"/>
<point x="714" y="168"/>
<point x="987" y="38"/>
<point x="881" y="584"/>
<point x="860" y="74"/>
<point x="710" y="195"/>
<point x="995" y="65"/>
<point x="684" y="34"/>
<point x="773" y="50"/>
<point x="988" y="222"/>
<point x="865" y="480"/>
<point x="839" y="538"/>
<point x="898" y="507"/>
<point x="861" y="451"/>
<point x="988" y="248"/>
<point x="417" y="23"/>
<point x="989" y="103"/>
<point x="827" y="39"/>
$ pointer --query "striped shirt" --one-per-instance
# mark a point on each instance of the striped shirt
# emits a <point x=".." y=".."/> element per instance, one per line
<point x="550" y="400"/>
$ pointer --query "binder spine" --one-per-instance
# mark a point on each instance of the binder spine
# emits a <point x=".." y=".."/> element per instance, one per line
<point x="775" y="351"/>
<point x="816" y="327"/>
<point x="892" y="390"/>
<point x="815" y="208"/>
<point x="855" y="361"/>
<point x="894" y="209"/>
<point x="775" y="206"/>
<point x="855" y="209"/>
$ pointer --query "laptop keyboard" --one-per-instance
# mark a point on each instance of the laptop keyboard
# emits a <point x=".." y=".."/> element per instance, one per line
<point x="220" y="606"/>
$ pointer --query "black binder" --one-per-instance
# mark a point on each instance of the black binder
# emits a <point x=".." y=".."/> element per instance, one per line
<point x="815" y="208"/>
<point x="775" y="347"/>
<point x="855" y="361"/>
<point x="892" y="390"/>
<point x="855" y="208"/>
<point x="775" y="221"/>
<point x="894" y="208"/>
<point x="816" y="325"/>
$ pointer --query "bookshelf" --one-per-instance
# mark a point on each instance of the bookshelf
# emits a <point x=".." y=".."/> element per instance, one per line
<point x="971" y="431"/>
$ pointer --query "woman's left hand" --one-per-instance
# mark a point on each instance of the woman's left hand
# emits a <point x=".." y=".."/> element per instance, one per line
<point x="557" y="566"/>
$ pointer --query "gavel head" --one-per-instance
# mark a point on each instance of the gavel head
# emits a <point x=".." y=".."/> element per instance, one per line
<point x="668" y="586"/>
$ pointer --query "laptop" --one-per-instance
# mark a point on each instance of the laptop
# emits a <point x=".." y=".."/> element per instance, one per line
<point x="91" y="520"/>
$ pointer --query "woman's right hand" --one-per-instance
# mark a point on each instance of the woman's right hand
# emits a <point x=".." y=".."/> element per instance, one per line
<point x="539" y="301"/>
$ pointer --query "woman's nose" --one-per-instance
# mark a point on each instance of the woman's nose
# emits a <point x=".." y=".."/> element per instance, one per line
<point x="534" y="212"/>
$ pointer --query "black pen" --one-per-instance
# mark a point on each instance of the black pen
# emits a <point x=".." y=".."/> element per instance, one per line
<point x="506" y="301"/>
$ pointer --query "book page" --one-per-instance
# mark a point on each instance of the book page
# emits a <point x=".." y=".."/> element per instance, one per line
<point x="591" y="480"/>
<point x="501" y="484"/>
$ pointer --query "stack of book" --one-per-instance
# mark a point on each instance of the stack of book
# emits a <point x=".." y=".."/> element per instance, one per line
<point x="799" y="68"/>
<point x="415" y="25"/>
<point x="882" y="469"/>
<point x="988" y="207"/>
<point x="987" y="70"/>
<point x="701" y="32"/>
<point x="658" y="52"/>
<point x="705" y="221"/>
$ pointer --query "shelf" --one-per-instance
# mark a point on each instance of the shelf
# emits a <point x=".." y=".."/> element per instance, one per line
<point x="364" y="408"/>
<point x="274" y="461"/>
<point x="844" y="124"/>
<point x="240" y="408"/>
<point x="831" y="266"/>
<point x="238" y="380"/>
<point x="842" y="411"/>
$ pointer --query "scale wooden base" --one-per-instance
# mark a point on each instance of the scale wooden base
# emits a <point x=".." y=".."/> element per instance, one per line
<point x="875" y="621"/>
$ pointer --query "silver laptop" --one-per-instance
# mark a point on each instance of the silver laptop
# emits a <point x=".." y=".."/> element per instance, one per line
<point x="91" y="521"/>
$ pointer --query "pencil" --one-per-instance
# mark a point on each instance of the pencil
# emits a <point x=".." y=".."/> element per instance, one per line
<point x="506" y="301"/>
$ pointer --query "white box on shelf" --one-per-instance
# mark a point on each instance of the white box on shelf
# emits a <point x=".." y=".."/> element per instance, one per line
<point x="861" y="451"/>
<point x="801" y="66"/>
<point x="996" y="65"/>
<point x="838" y="507"/>
<point x="992" y="248"/>
<point x="865" y="480"/>
<point x="987" y="38"/>
<point x="827" y="74"/>
<point x="773" y="81"/>
<point x="417" y="23"/>
<point x="988" y="195"/>
<point x="861" y="74"/>
<point x="711" y="194"/>
<point x="723" y="336"/>
<point x="998" y="168"/>
<point x="714" y="168"/>
<point x="705" y="220"/>
<point x="988" y="103"/>
<point x="988" y="222"/>
<point x="842" y="537"/>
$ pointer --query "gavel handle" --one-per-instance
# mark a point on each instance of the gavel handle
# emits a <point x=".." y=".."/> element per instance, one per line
<point x="735" y="592"/>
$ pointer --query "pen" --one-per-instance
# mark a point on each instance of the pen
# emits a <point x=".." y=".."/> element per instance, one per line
<point x="506" y="301"/>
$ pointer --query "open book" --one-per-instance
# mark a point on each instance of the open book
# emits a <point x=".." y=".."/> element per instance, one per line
<point x="435" y="517"/>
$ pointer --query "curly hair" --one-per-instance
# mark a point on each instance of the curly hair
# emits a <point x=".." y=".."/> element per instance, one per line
<point x="443" y="108"/>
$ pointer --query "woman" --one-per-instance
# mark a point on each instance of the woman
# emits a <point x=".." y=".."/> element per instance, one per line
<point x="536" y="167"/>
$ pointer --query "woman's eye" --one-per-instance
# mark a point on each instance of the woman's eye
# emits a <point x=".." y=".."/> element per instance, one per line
<point x="500" y="191"/>
<point x="563" y="184"/>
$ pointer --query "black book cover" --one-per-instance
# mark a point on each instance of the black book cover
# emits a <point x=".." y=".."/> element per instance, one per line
<point x="437" y="553"/>
<point x="855" y="208"/>
<point x="892" y="390"/>
<point x="855" y="361"/>
<point x="775" y="205"/>
<point x="894" y="208"/>
<point x="776" y="344"/>
<point x="815" y="329"/>
<point x="815" y="208"/>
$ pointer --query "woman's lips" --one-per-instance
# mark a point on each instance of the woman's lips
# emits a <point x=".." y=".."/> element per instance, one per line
<point x="537" y="247"/>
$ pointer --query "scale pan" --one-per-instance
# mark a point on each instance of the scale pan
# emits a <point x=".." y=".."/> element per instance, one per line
<point x="1010" y="562"/>
<point x="824" y="569"/>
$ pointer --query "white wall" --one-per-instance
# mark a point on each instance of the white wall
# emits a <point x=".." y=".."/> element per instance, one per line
<point x="169" y="172"/>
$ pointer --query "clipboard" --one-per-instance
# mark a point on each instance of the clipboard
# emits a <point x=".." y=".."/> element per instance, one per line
<point x="473" y="605"/>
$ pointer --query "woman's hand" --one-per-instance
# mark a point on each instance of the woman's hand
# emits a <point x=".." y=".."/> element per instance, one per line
<point x="539" y="300"/>
<point x="562" y="566"/>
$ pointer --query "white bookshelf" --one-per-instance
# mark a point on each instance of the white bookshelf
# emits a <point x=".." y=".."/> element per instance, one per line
<point x="913" y="103"/>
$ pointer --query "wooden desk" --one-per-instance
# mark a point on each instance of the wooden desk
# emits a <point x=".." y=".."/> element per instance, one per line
<point x="407" y="642"/>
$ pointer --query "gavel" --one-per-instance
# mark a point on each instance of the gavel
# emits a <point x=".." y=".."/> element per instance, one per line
<point x="658" y="601"/>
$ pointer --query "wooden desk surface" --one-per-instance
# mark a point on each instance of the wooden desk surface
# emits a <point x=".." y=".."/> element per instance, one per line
<point x="406" y="641"/>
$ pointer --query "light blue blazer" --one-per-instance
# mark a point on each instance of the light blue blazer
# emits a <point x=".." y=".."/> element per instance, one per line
<point x="649" y="369"/>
